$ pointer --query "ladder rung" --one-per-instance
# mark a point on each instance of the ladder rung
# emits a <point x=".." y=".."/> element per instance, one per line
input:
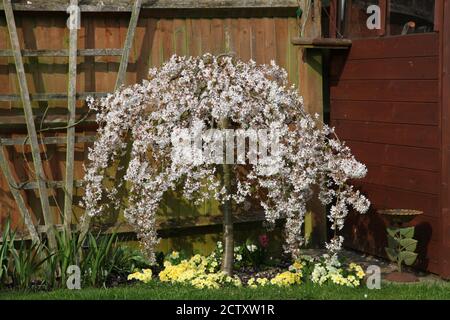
<point x="47" y="140"/>
<point x="50" y="184"/>
<point x="43" y="228"/>
<point x="50" y="120"/>
<point x="51" y="96"/>
<point x="64" y="53"/>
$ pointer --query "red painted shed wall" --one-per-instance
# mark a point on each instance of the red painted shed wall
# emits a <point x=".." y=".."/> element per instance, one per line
<point x="385" y="103"/>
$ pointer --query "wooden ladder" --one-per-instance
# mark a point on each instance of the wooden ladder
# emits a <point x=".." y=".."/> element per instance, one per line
<point x="41" y="183"/>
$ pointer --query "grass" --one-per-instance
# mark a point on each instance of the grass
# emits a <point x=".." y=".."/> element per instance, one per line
<point x="160" y="291"/>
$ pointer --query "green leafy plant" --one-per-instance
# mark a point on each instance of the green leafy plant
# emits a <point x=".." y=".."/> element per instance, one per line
<point x="124" y="260"/>
<point x="401" y="246"/>
<point x="99" y="257"/>
<point x="95" y="262"/>
<point x="6" y="245"/>
<point x="67" y="253"/>
<point x="26" y="262"/>
<point x="254" y="254"/>
<point x="102" y="257"/>
<point x="175" y="257"/>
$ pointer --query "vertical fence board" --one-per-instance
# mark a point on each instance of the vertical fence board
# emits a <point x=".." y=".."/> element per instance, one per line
<point x="245" y="43"/>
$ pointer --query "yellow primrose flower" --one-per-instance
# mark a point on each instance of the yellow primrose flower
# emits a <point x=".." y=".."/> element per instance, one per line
<point x="356" y="283"/>
<point x="251" y="281"/>
<point x="147" y="271"/>
<point x="262" y="281"/>
<point x="296" y="266"/>
<point x="237" y="282"/>
<point x="337" y="278"/>
<point x="196" y="259"/>
<point x="145" y="276"/>
<point x="131" y="276"/>
<point x="360" y="274"/>
<point x="195" y="273"/>
<point x="286" y="279"/>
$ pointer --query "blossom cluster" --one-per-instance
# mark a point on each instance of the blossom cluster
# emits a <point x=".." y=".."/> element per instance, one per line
<point x="198" y="93"/>
<point x="144" y="276"/>
<point x="330" y="270"/>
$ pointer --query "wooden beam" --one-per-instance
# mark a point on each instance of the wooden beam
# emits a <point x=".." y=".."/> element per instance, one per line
<point x="174" y="224"/>
<point x="124" y="5"/>
<point x="33" y="185"/>
<point x="310" y="87"/>
<point x="128" y="43"/>
<point x="51" y="121"/>
<point x="444" y="256"/>
<point x="322" y="43"/>
<point x="43" y="193"/>
<point x="46" y="140"/>
<point x="64" y="53"/>
<point x="51" y="96"/>
<point x="25" y="214"/>
<point x="71" y="106"/>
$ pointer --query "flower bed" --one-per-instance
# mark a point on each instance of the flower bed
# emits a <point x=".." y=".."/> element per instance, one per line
<point x="204" y="271"/>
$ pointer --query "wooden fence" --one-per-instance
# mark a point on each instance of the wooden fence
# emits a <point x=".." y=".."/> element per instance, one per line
<point x="252" y="33"/>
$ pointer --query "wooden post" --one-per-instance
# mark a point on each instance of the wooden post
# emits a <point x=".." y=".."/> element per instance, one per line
<point x="18" y="197"/>
<point x="25" y="96"/>
<point x="71" y="105"/>
<point x="333" y="27"/>
<point x="444" y="257"/>
<point x="311" y="88"/>
<point x="128" y="43"/>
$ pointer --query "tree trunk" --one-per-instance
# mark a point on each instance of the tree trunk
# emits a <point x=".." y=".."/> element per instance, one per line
<point x="228" y="239"/>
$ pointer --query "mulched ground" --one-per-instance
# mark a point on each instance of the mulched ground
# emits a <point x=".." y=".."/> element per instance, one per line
<point x="265" y="272"/>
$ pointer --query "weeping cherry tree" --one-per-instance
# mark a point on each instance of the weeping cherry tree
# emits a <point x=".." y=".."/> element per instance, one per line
<point x="189" y="96"/>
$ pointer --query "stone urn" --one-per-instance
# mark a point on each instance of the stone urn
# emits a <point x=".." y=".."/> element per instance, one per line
<point x="401" y="243"/>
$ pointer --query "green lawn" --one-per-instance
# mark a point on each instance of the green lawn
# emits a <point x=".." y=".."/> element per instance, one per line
<point x="157" y="290"/>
